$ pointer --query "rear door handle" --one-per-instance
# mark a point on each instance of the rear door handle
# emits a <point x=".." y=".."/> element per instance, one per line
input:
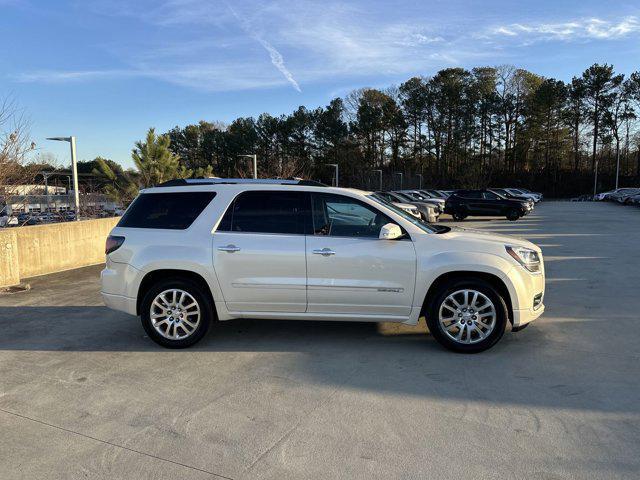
<point x="229" y="248"/>
<point x="325" y="252"/>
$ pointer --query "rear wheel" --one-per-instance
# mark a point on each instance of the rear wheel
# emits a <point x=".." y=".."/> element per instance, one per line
<point x="467" y="316"/>
<point x="176" y="313"/>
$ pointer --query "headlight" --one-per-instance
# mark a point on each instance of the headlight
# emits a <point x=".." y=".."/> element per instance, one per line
<point x="526" y="257"/>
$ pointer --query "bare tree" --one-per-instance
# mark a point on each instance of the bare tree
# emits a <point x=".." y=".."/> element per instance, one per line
<point x="15" y="145"/>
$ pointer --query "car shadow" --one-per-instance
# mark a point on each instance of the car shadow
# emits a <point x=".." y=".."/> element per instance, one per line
<point x="528" y="367"/>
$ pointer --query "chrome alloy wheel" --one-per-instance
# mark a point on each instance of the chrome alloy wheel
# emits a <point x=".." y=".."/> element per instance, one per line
<point x="467" y="316"/>
<point x="175" y="314"/>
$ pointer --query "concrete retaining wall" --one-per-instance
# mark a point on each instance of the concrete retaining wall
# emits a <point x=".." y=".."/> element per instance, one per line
<point x="37" y="250"/>
<point x="9" y="269"/>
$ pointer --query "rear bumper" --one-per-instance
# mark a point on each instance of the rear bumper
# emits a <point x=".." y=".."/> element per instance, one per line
<point x="120" y="302"/>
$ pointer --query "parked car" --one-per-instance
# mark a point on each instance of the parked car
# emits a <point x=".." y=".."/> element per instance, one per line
<point x="47" y="217"/>
<point x="427" y="204"/>
<point x="427" y="212"/>
<point x="504" y="194"/>
<point x="526" y="191"/>
<point x="435" y="193"/>
<point x="192" y="252"/>
<point x="69" y="215"/>
<point x="4" y="216"/>
<point x="625" y="193"/>
<point x="464" y="203"/>
<point x="583" y="198"/>
<point x="519" y="192"/>
<point x="604" y="195"/>
<point x="633" y="200"/>
<point x="407" y="207"/>
<point x="608" y="195"/>
<point x="424" y="197"/>
<point x="28" y="218"/>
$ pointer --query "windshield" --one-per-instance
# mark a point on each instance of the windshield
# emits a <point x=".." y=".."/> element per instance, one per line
<point x="403" y="197"/>
<point x="425" y="227"/>
<point x="414" y="196"/>
<point x="499" y="194"/>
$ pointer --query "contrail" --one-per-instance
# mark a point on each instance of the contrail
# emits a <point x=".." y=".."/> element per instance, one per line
<point x="278" y="62"/>
<point x="276" y="57"/>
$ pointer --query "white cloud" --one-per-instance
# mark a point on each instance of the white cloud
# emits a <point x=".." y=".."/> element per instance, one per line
<point x="215" y="46"/>
<point x="206" y="78"/>
<point x="583" y="29"/>
<point x="320" y="40"/>
<point x="56" y="76"/>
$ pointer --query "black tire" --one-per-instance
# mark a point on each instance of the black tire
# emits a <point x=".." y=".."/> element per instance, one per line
<point x="433" y="308"/>
<point x="203" y="303"/>
<point x="513" y="215"/>
<point x="459" y="216"/>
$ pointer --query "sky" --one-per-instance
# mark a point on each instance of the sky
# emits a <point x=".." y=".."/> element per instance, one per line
<point x="106" y="71"/>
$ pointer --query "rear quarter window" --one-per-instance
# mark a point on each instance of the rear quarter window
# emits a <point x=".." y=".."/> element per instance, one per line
<point x="173" y="211"/>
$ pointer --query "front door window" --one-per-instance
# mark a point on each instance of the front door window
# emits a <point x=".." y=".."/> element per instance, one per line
<point x="339" y="216"/>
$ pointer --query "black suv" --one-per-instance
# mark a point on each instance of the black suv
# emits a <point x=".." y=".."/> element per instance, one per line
<point x="485" y="203"/>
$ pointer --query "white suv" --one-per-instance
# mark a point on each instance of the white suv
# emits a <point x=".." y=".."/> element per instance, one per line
<point x="190" y="252"/>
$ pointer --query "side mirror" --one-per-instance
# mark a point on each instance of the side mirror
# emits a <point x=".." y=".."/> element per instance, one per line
<point x="390" y="231"/>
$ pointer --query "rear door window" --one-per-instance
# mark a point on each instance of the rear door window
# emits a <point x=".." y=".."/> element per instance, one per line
<point x="173" y="211"/>
<point x="471" y="195"/>
<point x="269" y="211"/>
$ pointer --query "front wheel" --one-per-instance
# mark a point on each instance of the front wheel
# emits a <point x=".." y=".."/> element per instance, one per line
<point x="467" y="316"/>
<point x="459" y="216"/>
<point x="176" y="313"/>
<point x="513" y="215"/>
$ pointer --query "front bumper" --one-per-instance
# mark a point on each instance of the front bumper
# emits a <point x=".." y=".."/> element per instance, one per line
<point x="527" y="315"/>
<point x="528" y="295"/>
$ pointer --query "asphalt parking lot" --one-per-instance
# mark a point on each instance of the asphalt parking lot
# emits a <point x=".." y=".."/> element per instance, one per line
<point x="84" y="394"/>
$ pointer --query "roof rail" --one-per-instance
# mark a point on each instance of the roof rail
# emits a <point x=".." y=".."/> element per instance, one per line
<point x="181" y="182"/>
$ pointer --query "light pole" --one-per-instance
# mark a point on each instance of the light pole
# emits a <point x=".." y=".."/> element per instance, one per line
<point x="255" y="164"/>
<point x="419" y="175"/>
<point x="617" y="166"/>
<point x="595" y="180"/>
<point x="401" y="175"/>
<point x="335" y="166"/>
<point x="46" y="186"/>
<point x="74" y="170"/>
<point x="379" y="171"/>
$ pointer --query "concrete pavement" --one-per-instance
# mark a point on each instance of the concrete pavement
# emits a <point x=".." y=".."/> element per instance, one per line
<point x="84" y="394"/>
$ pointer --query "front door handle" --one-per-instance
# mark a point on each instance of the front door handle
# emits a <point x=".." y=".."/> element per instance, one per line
<point x="229" y="248"/>
<point x="325" y="252"/>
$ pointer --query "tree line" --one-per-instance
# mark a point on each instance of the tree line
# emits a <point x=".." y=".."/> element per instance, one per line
<point x="457" y="128"/>
<point x="488" y="126"/>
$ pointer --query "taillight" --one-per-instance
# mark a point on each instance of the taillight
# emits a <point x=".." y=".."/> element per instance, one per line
<point x="113" y="243"/>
